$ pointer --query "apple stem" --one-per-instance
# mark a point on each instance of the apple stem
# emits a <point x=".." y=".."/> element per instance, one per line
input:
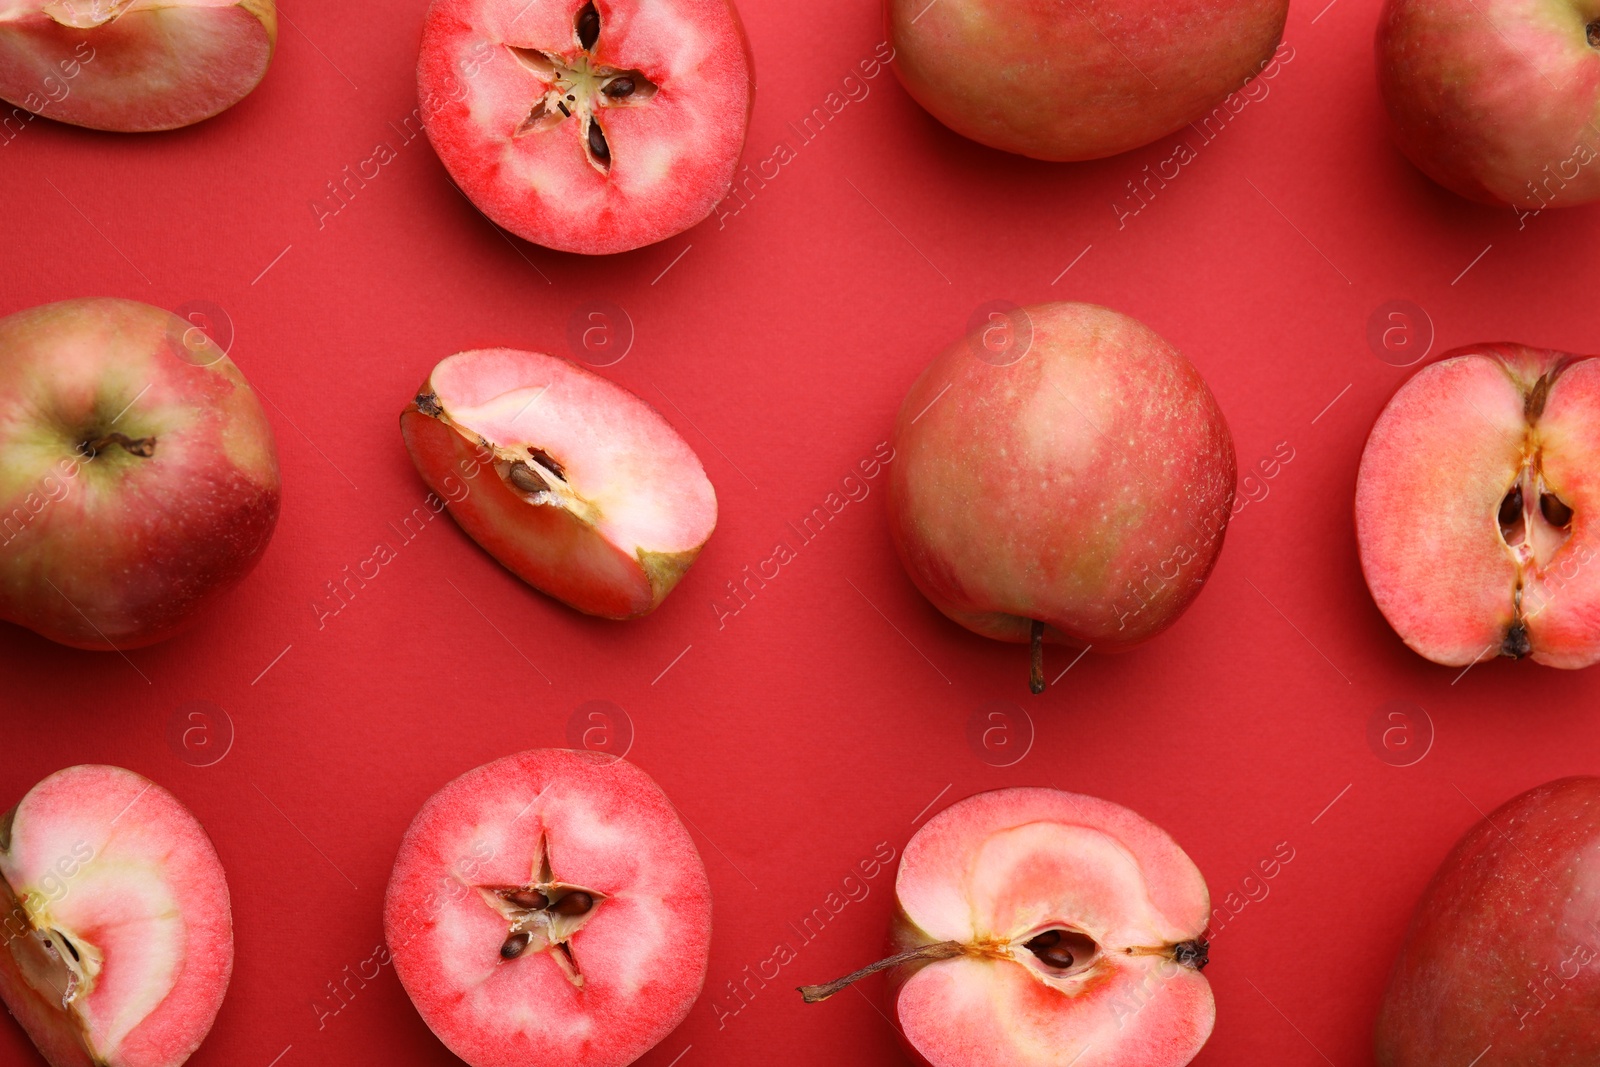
<point x="1036" y="667"/>
<point x="942" y="950"/>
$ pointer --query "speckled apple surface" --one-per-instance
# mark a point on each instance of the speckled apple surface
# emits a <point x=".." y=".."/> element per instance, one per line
<point x="802" y="720"/>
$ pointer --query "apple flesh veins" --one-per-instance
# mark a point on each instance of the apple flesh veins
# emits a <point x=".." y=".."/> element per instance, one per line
<point x="138" y="474"/>
<point x="1473" y="507"/>
<point x="550" y="908"/>
<point x="1081" y="80"/>
<point x="1038" y="928"/>
<point x="590" y="126"/>
<point x="1504" y="948"/>
<point x="133" y="65"/>
<point x="1084" y="486"/>
<point x="118" y="933"/>
<point x="588" y="494"/>
<point x="1496" y="100"/>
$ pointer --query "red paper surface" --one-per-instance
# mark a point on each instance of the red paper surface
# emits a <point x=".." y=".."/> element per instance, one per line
<point x="834" y="708"/>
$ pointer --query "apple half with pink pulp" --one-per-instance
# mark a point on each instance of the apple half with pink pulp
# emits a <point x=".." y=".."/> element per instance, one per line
<point x="133" y="66"/>
<point x="1062" y="475"/>
<point x="550" y="908"/>
<point x="576" y="485"/>
<point x="1039" y="928"/>
<point x="138" y="473"/>
<point x="1474" y="502"/>
<point x="590" y="126"/>
<point x="117" y="925"/>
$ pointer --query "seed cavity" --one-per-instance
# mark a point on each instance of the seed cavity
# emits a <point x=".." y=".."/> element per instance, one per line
<point x="514" y="945"/>
<point x="1555" y="512"/>
<point x="588" y="26"/>
<point x="544" y="459"/>
<point x="1062" y="949"/>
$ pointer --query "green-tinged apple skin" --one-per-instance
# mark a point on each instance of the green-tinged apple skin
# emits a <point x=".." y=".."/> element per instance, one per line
<point x="1473" y="506"/>
<point x="1497" y="100"/>
<point x="1087" y="485"/>
<point x="1039" y="928"/>
<point x="1072" y="81"/>
<point x="1504" y="948"/>
<point x="121" y="548"/>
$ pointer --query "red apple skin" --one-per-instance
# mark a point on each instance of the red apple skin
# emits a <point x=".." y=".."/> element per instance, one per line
<point x="1504" y="948"/>
<point x="146" y="67"/>
<point x="1084" y="80"/>
<point x="1496" y="100"/>
<point x="121" y="551"/>
<point x="1087" y="485"/>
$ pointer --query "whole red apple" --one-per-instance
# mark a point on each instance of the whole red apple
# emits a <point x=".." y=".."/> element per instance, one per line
<point x="1038" y="928"/>
<point x="117" y="938"/>
<point x="550" y="908"/>
<point x="133" y="66"/>
<point x="1473" y="507"/>
<point x="1496" y="99"/>
<point x="1073" y="489"/>
<point x="1066" y="81"/>
<point x="1503" y="952"/>
<point x="138" y="474"/>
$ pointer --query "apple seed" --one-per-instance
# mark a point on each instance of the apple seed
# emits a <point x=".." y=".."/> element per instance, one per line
<point x="522" y="476"/>
<point x="512" y="947"/>
<point x="531" y="899"/>
<point x="588" y="26"/>
<point x="618" y="87"/>
<point x="1511" y="510"/>
<point x="575" y="903"/>
<point x="1556" y="513"/>
<point x="597" y="144"/>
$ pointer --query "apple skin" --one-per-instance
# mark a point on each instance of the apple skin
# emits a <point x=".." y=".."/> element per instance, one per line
<point x="1496" y="100"/>
<point x="121" y="550"/>
<point x="1084" y="80"/>
<point x="1504" y="948"/>
<point x="134" y="67"/>
<point x="1087" y="485"/>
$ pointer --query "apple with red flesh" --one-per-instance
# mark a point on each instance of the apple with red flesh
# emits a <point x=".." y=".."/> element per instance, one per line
<point x="1504" y="949"/>
<point x="117" y="925"/>
<point x="589" y="126"/>
<point x="138" y="474"/>
<point x="550" y="908"/>
<point x="133" y="65"/>
<point x="1072" y="486"/>
<point x="1473" y="507"/>
<point x="1078" y="80"/>
<point x="1496" y="100"/>
<point x="1039" y="928"/>
<point x="588" y="493"/>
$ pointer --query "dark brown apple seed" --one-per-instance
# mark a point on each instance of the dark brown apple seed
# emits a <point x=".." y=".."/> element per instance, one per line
<point x="513" y="945"/>
<point x="576" y="903"/>
<point x="597" y="144"/>
<point x="618" y="87"/>
<point x="588" y="26"/>
<point x="531" y="899"/>
<point x="1555" y="512"/>
<point x="1511" y="508"/>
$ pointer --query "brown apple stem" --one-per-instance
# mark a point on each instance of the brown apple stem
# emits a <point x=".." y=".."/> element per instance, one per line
<point x="942" y="950"/>
<point x="143" y="446"/>
<point x="1036" y="668"/>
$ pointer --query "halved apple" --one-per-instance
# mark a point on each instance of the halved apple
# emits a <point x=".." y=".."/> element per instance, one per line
<point x="117" y="925"/>
<point x="133" y="65"/>
<point x="1039" y="928"/>
<point x="587" y="492"/>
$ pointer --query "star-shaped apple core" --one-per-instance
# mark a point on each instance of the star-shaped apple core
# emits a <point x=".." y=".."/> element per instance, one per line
<point x="543" y="916"/>
<point x="580" y="89"/>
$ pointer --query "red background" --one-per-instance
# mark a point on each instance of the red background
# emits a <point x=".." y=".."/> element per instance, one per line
<point x="833" y="709"/>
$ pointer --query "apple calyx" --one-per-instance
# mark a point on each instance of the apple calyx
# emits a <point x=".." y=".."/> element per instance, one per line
<point x="543" y="916"/>
<point x="1054" y="953"/>
<point x="1534" y="521"/>
<point x="579" y="89"/>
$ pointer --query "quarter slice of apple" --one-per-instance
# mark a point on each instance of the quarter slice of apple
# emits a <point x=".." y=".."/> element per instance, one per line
<point x="576" y="485"/>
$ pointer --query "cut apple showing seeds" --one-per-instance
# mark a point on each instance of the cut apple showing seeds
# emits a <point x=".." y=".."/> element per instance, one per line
<point x="1038" y="928"/>
<point x="133" y="65"/>
<point x="1474" y="507"/>
<point x="117" y="926"/>
<point x="576" y="485"/>
<point x="589" y="126"/>
<point x="550" y="908"/>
